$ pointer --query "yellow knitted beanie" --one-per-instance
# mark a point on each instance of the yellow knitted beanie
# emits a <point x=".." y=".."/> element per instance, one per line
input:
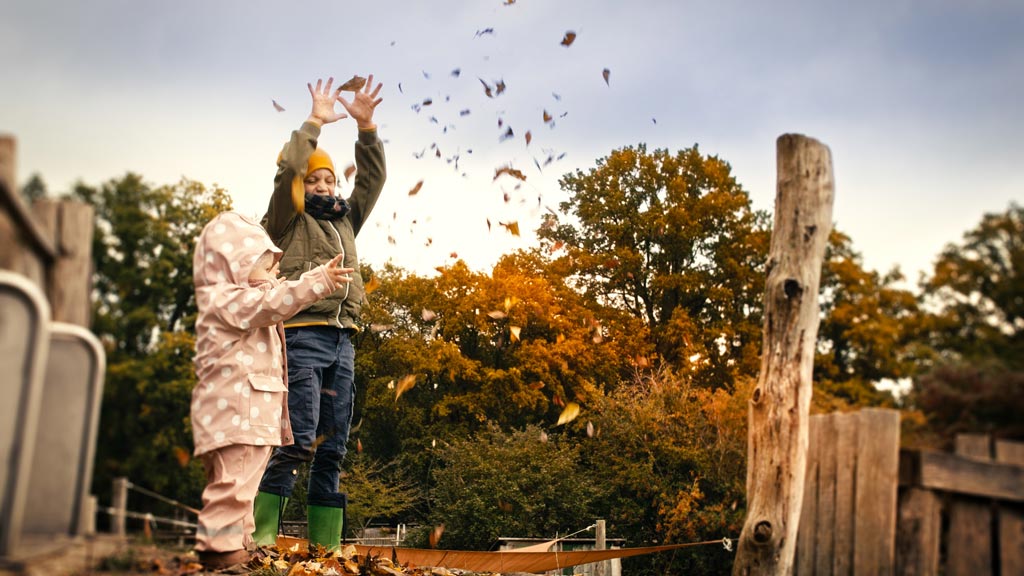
<point x="319" y="159"/>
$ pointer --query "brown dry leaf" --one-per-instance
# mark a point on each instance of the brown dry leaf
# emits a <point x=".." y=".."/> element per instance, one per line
<point x="277" y="106"/>
<point x="543" y="436"/>
<point x="404" y="385"/>
<point x="605" y="74"/>
<point x="182" y="455"/>
<point x="497" y="314"/>
<point x="349" y="171"/>
<point x="508" y="134"/>
<point x="359" y="446"/>
<point x="416" y="188"/>
<point x="569" y="413"/>
<point x="372" y="285"/>
<point x="505" y="507"/>
<point x="557" y="401"/>
<point x="512" y="227"/>
<point x="319" y="440"/>
<point x="428" y="315"/>
<point x="453" y="255"/>
<point x="557" y="246"/>
<point x="568" y="39"/>
<point x="487" y="89"/>
<point x="353" y="84"/>
<point x="590" y="429"/>
<point x="547" y="117"/>
<point x="508" y="169"/>
<point x="435" y="535"/>
<point x="514" y="330"/>
<point x="529" y="137"/>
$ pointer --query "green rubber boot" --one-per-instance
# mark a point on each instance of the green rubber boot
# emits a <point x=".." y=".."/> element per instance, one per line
<point x="267" y="510"/>
<point x="326" y="516"/>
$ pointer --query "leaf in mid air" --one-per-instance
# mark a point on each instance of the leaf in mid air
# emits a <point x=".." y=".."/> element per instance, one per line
<point x="605" y="74"/>
<point x="569" y="38"/>
<point x="416" y="188"/>
<point x="512" y="227"/>
<point x="569" y="413"/>
<point x="349" y="171"/>
<point x="277" y="106"/>
<point x="353" y="84"/>
<point x="404" y="385"/>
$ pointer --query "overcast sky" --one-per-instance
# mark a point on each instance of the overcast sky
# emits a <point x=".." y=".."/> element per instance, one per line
<point x="921" y="103"/>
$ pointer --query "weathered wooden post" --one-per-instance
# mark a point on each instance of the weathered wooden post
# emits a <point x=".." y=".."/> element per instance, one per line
<point x="600" y="543"/>
<point x="68" y="225"/>
<point x="780" y="404"/>
<point x="120" y="505"/>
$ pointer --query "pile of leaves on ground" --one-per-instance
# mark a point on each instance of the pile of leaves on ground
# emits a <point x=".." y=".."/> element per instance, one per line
<point x="288" y="559"/>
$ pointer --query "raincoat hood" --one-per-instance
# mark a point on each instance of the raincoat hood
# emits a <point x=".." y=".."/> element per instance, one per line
<point x="227" y="249"/>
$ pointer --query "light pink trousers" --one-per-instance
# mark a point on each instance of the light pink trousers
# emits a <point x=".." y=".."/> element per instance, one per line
<point x="233" y="476"/>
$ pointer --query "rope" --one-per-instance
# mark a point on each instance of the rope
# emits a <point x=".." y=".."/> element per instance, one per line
<point x="146" y="516"/>
<point x="162" y="498"/>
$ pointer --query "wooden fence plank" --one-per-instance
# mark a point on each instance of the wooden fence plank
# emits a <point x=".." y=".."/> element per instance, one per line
<point x="962" y="475"/>
<point x="824" y="546"/>
<point x="805" y="544"/>
<point x="1011" y="518"/>
<point x="970" y="521"/>
<point x="847" y="434"/>
<point x="918" y="533"/>
<point x="878" y="450"/>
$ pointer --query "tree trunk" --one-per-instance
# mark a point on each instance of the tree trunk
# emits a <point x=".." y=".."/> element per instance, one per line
<point x="779" y="405"/>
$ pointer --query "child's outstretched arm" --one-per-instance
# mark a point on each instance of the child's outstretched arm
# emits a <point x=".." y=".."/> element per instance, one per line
<point x="247" y="307"/>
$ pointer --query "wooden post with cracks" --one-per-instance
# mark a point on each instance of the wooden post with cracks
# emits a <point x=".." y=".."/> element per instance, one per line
<point x="780" y="404"/>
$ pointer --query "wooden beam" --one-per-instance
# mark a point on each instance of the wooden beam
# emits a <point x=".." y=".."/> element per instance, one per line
<point x="780" y="404"/>
<point x="1011" y="519"/>
<point x="961" y="475"/>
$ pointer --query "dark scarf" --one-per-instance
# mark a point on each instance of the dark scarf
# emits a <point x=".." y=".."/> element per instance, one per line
<point x="324" y="207"/>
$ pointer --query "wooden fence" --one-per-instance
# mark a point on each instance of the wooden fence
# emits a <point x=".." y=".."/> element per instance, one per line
<point x="870" y="508"/>
<point x="962" y="513"/>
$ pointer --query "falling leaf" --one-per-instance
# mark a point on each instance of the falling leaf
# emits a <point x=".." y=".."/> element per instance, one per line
<point x="508" y="169"/>
<point x="428" y="315"/>
<point x="435" y="535"/>
<point x="484" y="31"/>
<point x="416" y="188"/>
<point x="605" y="74"/>
<point x="456" y="72"/>
<point x="556" y="96"/>
<point x="405" y="384"/>
<point x="378" y="328"/>
<point x="508" y="134"/>
<point x="590" y="429"/>
<point x="512" y="227"/>
<point x="547" y="117"/>
<point x="319" y="440"/>
<point x="568" y="39"/>
<point x="543" y="436"/>
<point x="354" y="84"/>
<point x="497" y="314"/>
<point x="529" y="137"/>
<point x="499" y="87"/>
<point x="372" y="285"/>
<point x="557" y="401"/>
<point x="359" y="446"/>
<point x="571" y="411"/>
<point x="453" y="255"/>
<point x="504" y="506"/>
<point x="277" y="106"/>
<point x="182" y="455"/>
<point x="487" y="89"/>
<point x="400" y="88"/>
<point x="428" y="101"/>
<point x="464" y="112"/>
<point x="426" y="74"/>
<point x="654" y="120"/>
<point x="349" y="171"/>
<point x="514" y="330"/>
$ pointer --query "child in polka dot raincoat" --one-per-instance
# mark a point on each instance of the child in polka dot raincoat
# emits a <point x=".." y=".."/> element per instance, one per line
<point x="240" y="406"/>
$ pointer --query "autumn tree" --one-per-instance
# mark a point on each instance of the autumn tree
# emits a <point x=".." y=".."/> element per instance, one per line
<point x="673" y="240"/>
<point x="870" y="330"/>
<point x="143" y="311"/>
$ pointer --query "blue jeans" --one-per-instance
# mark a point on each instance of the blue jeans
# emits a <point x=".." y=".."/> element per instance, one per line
<point x="321" y="393"/>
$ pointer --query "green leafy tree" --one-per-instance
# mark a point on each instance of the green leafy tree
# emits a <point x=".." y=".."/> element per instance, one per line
<point x="978" y="289"/>
<point x="34" y="189"/>
<point x="143" y="313"/>
<point x="498" y="484"/>
<point x="673" y="240"/>
<point x="376" y="492"/>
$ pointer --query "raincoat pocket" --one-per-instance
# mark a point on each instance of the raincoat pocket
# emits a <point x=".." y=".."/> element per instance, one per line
<point x="265" y="404"/>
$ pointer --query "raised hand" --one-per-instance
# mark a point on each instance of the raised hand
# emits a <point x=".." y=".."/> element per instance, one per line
<point x="323" y="102"/>
<point x="363" y="104"/>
